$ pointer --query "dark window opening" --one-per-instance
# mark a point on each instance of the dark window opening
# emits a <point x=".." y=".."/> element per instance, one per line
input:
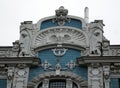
<point x="57" y="84"/>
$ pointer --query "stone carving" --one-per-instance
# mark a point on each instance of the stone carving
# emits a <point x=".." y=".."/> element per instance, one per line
<point x="45" y="83"/>
<point x="20" y="76"/>
<point x="71" y="65"/>
<point x="24" y="44"/>
<point x="105" y="43"/>
<point x="10" y="73"/>
<point x="96" y="24"/>
<point x="61" y="16"/>
<point x="115" y="52"/>
<point x="69" y="83"/>
<point x="6" y="52"/>
<point x="21" y="72"/>
<point x="10" y="76"/>
<point x="21" y="66"/>
<point x="114" y="68"/>
<point x="57" y="69"/>
<point x="3" y="69"/>
<point x="106" y="75"/>
<point x="46" y="65"/>
<point x="16" y="48"/>
<point x="96" y="42"/>
<point x="60" y="38"/>
<point x="25" y="39"/>
<point x="106" y="72"/>
<point x="95" y="76"/>
<point x="95" y="70"/>
<point x="60" y="35"/>
<point x="96" y="37"/>
<point x="59" y="51"/>
<point x="105" y="47"/>
<point x="68" y="75"/>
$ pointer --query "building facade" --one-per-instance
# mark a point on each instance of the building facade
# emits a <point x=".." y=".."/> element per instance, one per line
<point x="61" y="51"/>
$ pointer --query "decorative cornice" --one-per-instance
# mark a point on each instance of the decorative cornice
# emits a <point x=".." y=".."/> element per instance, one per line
<point x="20" y="60"/>
<point x="98" y="59"/>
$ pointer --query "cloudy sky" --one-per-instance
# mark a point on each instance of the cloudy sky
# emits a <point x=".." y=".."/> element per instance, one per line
<point x="13" y="12"/>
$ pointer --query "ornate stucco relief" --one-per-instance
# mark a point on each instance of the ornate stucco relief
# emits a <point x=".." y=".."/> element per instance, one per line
<point x="60" y="35"/>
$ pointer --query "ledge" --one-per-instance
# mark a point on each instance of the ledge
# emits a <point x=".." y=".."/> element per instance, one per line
<point x="20" y="60"/>
<point x="98" y="59"/>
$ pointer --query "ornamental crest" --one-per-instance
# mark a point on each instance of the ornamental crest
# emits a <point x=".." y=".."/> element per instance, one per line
<point x="61" y="16"/>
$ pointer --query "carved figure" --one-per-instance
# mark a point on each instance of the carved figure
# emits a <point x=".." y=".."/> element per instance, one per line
<point x="96" y="37"/>
<point x="15" y="48"/>
<point x="71" y="65"/>
<point x="95" y="44"/>
<point x="46" y="65"/>
<point x="61" y="16"/>
<point x="57" y="69"/>
<point x="96" y="24"/>
<point x="24" y="43"/>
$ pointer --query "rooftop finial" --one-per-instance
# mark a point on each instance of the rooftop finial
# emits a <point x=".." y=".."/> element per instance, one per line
<point x="61" y="11"/>
<point x="61" y="15"/>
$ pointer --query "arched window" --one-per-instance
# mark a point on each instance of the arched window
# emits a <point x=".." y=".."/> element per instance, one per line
<point x="58" y="83"/>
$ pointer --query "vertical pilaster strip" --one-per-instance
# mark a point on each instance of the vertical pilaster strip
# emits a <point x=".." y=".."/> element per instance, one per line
<point x="21" y="76"/>
<point x="106" y="75"/>
<point x="68" y="83"/>
<point x="46" y="83"/>
<point x="95" y="76"/>
<point x="10" y="76"/>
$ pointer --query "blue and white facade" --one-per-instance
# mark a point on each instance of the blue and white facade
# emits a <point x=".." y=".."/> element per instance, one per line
<point x="61" y="51"/>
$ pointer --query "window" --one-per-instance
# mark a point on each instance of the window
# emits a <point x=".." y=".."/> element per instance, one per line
<point x="57" y="84"/>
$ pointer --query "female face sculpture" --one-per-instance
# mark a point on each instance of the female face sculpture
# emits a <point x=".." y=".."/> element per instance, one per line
<point x="24" y="40"/>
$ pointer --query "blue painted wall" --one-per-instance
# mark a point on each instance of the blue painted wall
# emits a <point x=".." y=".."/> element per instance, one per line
<point x="3" y="83"/>
<point x="48" y="55"/>
<point x="73" y="23"/>
<point x="114" y="83"/>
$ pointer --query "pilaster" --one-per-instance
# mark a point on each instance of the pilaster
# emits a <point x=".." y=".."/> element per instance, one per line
<point x="45" y="83"/>
<point x="20" y="76"/>
<point x="95" y="76"/>
<point x="10" y="76"/>
<point x="68" y="83"/>
<point x="106" y="75"/>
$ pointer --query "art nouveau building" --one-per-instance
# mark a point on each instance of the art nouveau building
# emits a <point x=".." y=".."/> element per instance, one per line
<point x="60" y="51"/>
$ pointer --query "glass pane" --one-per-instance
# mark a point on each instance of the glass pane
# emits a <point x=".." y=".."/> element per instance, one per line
<point x="3" y="83"/>
<point x="57" y="84"/>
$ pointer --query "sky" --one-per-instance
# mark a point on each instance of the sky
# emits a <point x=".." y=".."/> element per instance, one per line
<point x="13" y="12"/>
